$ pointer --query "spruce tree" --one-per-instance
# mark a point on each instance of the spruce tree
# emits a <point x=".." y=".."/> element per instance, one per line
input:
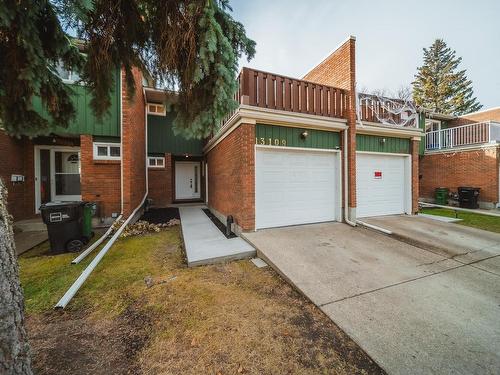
<point x="440" y="85"/>
<point x="190" y="46"/>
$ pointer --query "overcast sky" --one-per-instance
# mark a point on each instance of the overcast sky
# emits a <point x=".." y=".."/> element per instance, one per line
<point x="294" y="35"/>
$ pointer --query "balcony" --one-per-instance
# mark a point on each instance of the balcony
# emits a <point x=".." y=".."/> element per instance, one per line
<point x="276" y="92"/>
<point x="481" y="133"/>
<point x="387" y="112"/>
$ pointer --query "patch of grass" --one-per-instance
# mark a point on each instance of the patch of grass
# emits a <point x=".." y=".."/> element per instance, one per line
<point x="229" y="318"/>
<point x="469" y="219"/>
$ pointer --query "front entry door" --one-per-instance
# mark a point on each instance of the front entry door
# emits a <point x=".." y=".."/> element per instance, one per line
<point x="57" y="174"/>
<point x="187" y="180"/>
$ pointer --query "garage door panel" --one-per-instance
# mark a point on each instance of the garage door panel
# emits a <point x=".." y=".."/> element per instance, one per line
<point x="381" y="196"/>
<point x="294" y="187"/>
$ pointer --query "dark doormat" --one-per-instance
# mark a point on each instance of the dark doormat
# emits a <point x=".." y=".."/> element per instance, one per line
<point x="218" y="223"/>
<point x="160" y="215"/>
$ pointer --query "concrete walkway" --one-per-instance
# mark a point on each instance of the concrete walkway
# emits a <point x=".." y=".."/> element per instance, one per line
<point x="28" y="234"/>
<point x="412" y="310"/>
<point x="204" y="242"/>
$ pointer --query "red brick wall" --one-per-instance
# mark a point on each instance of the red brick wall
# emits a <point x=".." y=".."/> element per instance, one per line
<point x="100" y="179"/>
<point x="16" y="157"/>
<point x="133" y="145"/>
<point x="415" y="146"/>
<point x="477" y="168"/>
<point x="339" y="70"/>
<point x="487" y="115"/>
<point x="160" y="183"/>
<point x="231" y="176"/>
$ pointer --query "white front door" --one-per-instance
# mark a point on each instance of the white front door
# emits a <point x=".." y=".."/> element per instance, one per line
<point x="57" y="174"/>
<point x="187" y="180"/>
<point x="383" y="184"/>
<point x="295" y="187"/>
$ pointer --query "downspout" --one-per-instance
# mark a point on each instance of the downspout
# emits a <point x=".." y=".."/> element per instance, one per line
<point x="121" y="144"/>
<point x="346" y="184"/>
<point x="70" y="293"/>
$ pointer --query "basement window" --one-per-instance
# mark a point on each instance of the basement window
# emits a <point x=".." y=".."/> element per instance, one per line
<point x="156" y="162"/>
<point x="107" y="151"/>
<point x="156" y="109"/>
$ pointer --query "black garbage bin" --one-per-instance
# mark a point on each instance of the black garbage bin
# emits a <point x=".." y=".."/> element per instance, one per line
<point x="65" y="226"/>
<point x="468" y="197"/>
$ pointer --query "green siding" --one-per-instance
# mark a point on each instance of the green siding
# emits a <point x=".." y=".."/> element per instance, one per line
<point x="161" y="138"/>
<point x="85" y="122"/>
<point x="291" y="137"/>
<point x="374" y="143"/>
<point x="421" y="124"/>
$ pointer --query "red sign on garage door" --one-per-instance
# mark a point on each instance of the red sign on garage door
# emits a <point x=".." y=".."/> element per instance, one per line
<point x="377" y="175"/>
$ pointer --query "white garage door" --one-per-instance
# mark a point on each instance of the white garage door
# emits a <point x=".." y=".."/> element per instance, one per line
<point x="295" y="187"/>
<point x="383" y="184"/>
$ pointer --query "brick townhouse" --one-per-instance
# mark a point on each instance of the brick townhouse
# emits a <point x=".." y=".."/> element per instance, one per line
<point x="295" y="151"/>
<point x="298" y="151"/>
<point x="462" y="151"/>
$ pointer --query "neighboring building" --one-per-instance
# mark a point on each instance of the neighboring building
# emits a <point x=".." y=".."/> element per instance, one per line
<point x="295" y="151"/>
<point x="462" y="151"/>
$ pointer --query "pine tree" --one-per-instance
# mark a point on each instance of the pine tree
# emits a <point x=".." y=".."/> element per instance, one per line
<point x="439" y="84"/>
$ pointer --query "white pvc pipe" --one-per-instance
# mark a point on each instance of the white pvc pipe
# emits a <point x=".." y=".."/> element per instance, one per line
<point x="70" y="293"/>
<point x="374" y="227"/>
<point x="346" y="184"/>
<point x="91" y="248"/>
<point x="460" y="209"/>
<point x="87" y="271"/>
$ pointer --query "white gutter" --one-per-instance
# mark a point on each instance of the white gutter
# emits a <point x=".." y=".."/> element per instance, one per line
<point x="346" y="184"/>
<point x="374" y="227"/>
<point x="70" y="293"/>
<point x="121" y="143"/>
<point x="91" y="248"/>
<point x="460" y="209"/>
<point x="87" y="271"/>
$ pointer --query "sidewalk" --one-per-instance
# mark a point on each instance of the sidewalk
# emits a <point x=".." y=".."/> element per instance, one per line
<point x="204" y="242"/>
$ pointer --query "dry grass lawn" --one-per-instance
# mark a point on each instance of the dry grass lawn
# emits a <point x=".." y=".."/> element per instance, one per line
<point x="143" y="312"/>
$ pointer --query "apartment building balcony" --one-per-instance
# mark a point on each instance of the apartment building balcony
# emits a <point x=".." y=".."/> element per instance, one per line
<point x="465" y="136"/>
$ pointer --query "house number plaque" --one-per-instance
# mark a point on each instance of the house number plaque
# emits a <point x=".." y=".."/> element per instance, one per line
<point x="270" y="141"/>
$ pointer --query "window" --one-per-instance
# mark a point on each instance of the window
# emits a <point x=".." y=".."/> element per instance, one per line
<point x="107" y="151"/>
<point x="66" y="75"/>
<point x="432" y="126"/>
<point x="156" y="161"/>
<point x="156" y="109"/>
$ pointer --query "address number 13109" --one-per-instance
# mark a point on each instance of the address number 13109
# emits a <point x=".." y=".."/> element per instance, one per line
<point x="270" y="141"/>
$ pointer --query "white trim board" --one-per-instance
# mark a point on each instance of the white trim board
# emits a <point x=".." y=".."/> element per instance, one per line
<point x="246" y="114"/>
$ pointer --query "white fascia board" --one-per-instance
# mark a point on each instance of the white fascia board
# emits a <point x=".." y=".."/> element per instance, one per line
<point x="389" y="131"/>
<point x="246" y="114"/>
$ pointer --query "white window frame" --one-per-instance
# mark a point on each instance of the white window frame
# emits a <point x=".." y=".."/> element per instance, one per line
<point x="108" y="145"/>
<point x="156" y="158"/>
<point x="157" y="105"/>
<point x="71" y="75"/>
<point x="429" y="125"/>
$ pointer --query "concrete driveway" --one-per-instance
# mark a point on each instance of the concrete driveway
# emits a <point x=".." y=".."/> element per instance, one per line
<point x="412" y="310"/>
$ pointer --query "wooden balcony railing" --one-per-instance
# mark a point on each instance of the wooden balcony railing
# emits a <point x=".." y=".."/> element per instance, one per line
<point x="267" y="90"/>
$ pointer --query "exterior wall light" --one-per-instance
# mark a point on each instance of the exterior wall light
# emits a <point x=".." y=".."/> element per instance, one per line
<point x="383" y="140"/>
<point x="304" y="134"/>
